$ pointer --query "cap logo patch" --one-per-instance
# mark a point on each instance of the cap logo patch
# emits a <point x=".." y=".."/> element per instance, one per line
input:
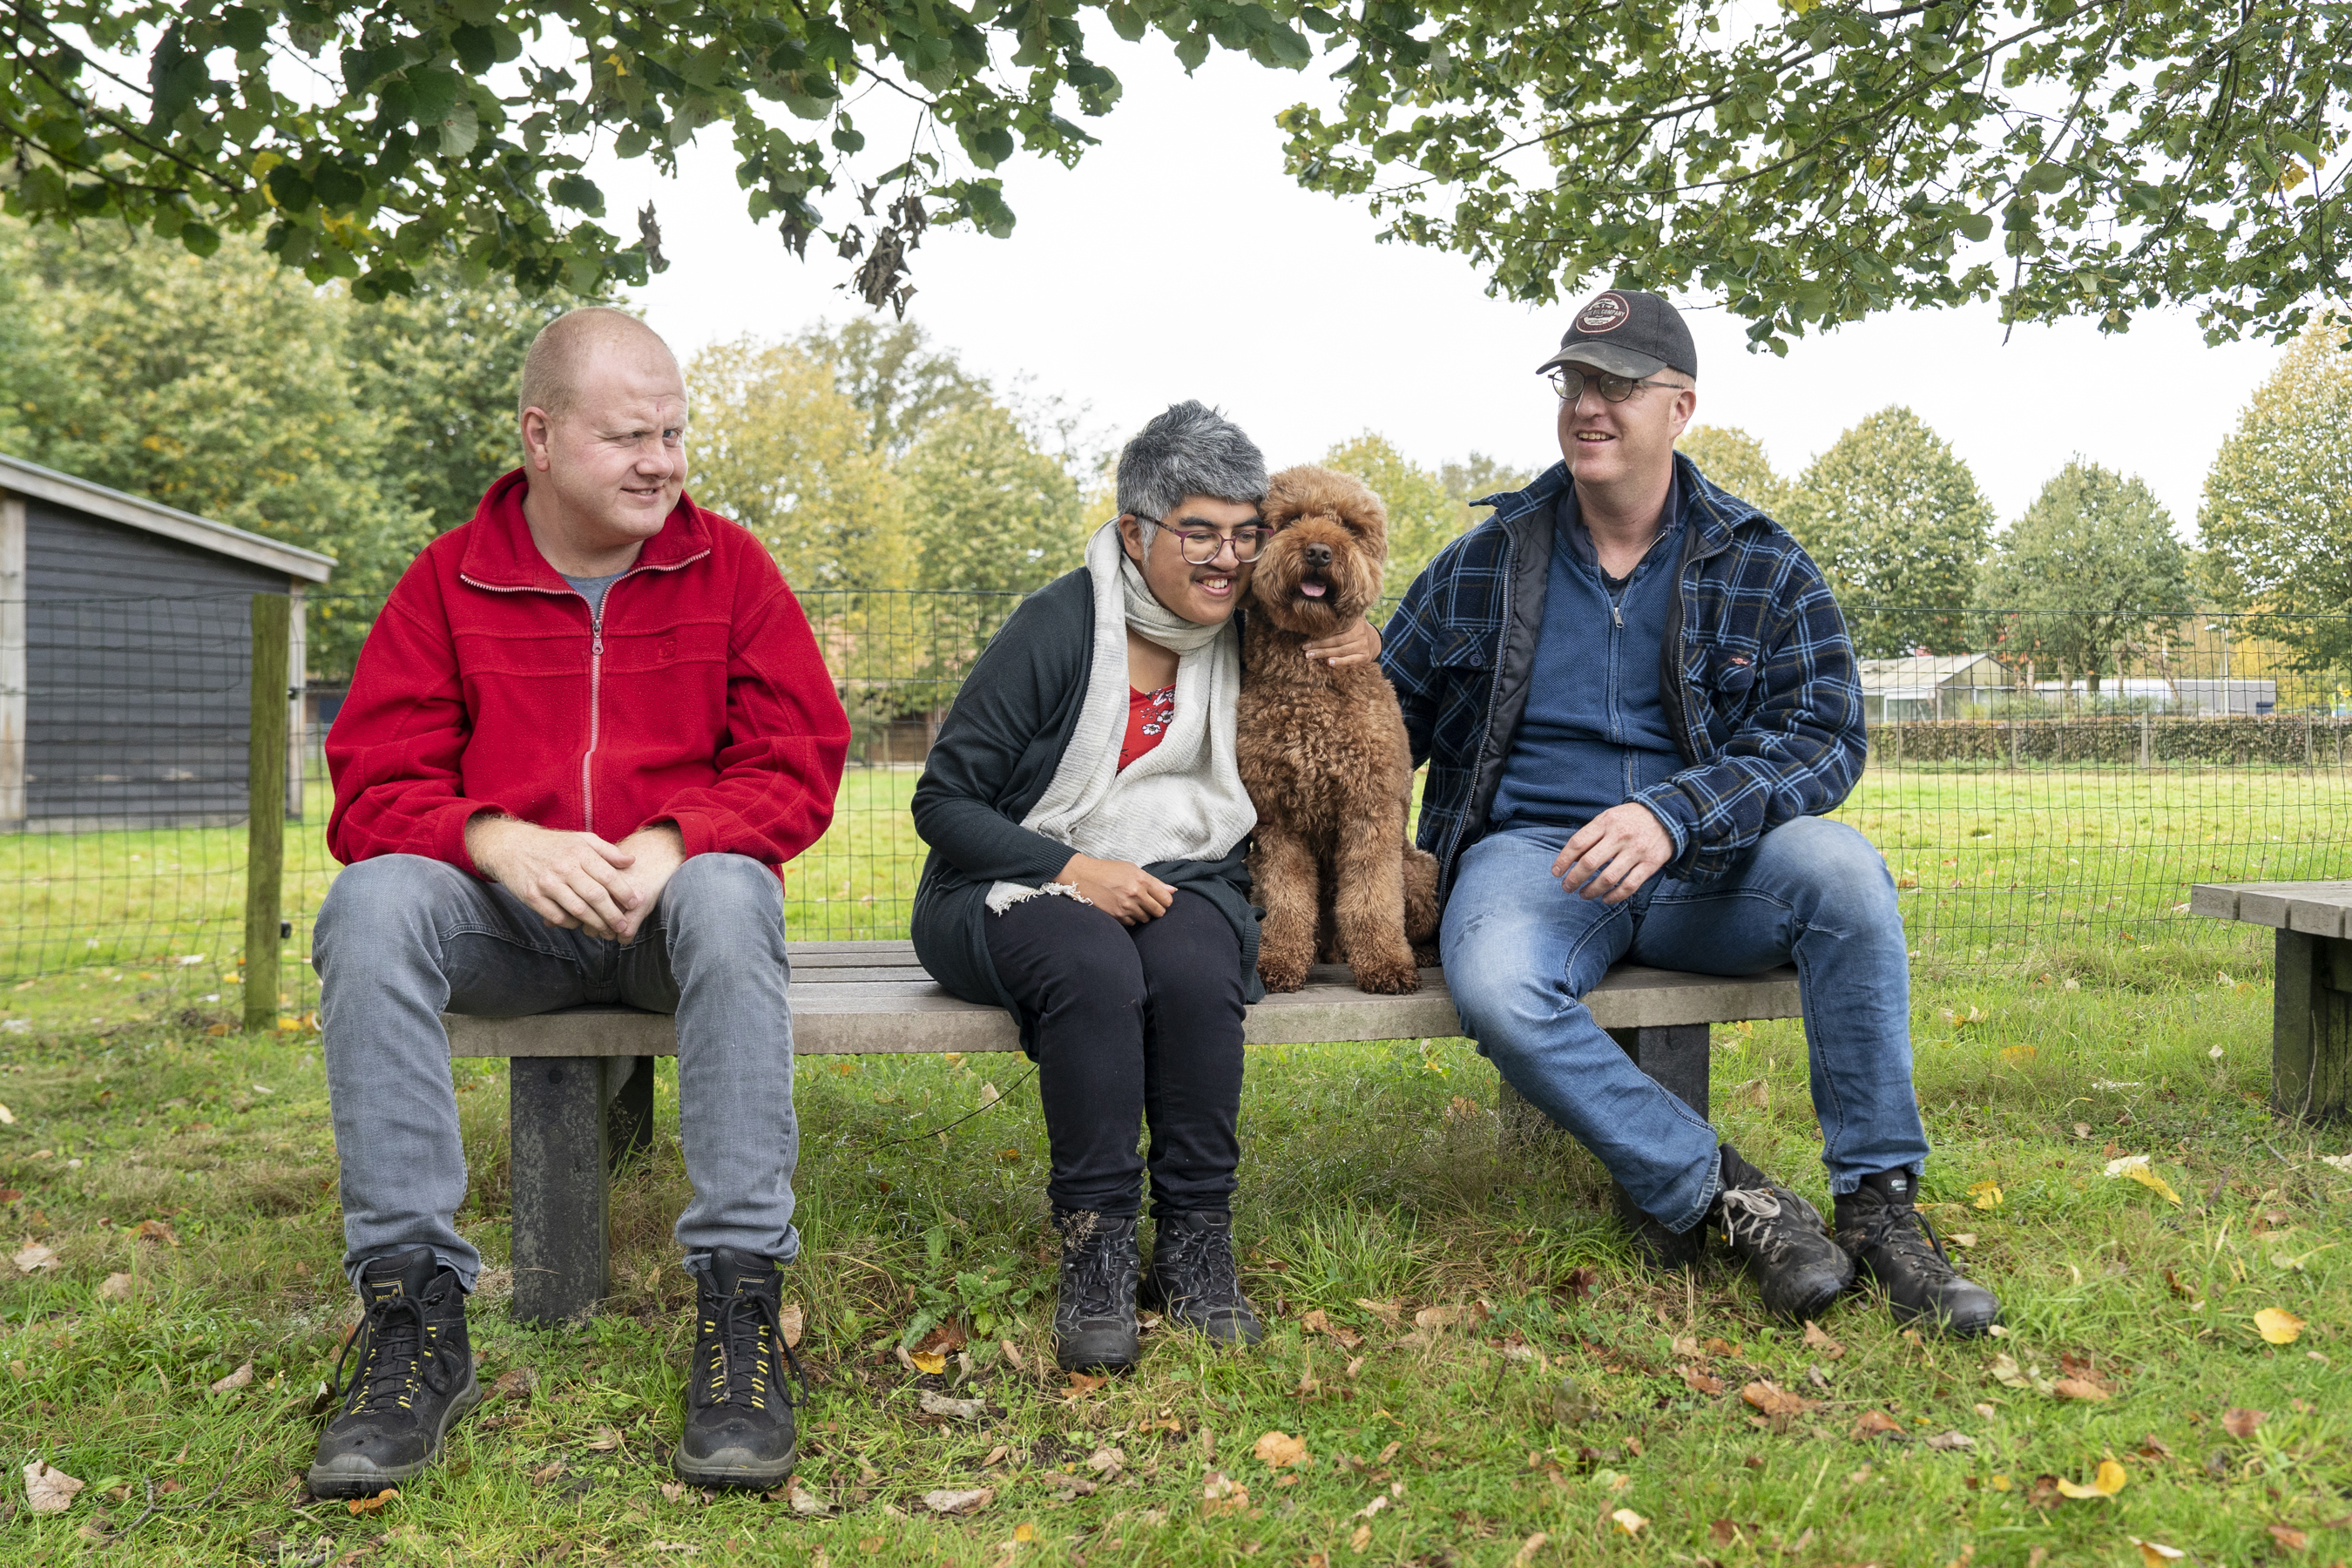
<point x="1606" y="313"/>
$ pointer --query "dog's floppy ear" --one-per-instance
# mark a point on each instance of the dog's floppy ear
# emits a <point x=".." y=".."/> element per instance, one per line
<point x="1286" y="495"/>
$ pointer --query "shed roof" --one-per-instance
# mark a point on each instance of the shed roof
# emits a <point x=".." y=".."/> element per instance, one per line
<point x="31" y="480"/>
<point x="1928" y="671"/>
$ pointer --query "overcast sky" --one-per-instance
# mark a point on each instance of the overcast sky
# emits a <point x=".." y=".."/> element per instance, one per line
<point x="1177" y="261"/>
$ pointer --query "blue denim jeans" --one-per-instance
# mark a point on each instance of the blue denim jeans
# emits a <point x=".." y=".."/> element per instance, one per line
<point x="403" y="939"/>
<point x="1520" y="953"/>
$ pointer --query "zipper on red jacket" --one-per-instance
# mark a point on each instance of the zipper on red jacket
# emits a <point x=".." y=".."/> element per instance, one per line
<point x="595" y="666"/>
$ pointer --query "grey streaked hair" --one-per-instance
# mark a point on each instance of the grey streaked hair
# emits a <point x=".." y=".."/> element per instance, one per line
<point x="1189" y="450"/>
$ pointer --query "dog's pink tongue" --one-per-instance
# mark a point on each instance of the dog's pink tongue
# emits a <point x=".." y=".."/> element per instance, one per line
<point x="1312" y="590"/>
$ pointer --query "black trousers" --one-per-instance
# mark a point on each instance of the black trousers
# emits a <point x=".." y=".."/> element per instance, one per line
<point x="1133" y="1024"/>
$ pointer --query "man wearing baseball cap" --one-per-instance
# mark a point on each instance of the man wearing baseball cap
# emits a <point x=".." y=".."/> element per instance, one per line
<point x="1637" y="700"/>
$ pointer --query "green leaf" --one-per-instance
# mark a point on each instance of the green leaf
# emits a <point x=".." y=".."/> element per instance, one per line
<point x="578" y="192"/>
<point x="1976" y="226"/>
<point x="2046" y="178"/>
<point x="202" y="239"/>
<point x="289" y="188"/>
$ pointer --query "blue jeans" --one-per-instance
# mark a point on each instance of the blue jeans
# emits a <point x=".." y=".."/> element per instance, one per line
<point x="403" y="939"/>
<point x="1519" y="953"/>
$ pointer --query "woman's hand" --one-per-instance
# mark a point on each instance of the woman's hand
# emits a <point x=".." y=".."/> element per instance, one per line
<point x="1357" y="643"/>
<point x="1129" y="894"/>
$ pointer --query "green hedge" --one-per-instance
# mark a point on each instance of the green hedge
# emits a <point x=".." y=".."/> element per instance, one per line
<point x="2268" y="740"/>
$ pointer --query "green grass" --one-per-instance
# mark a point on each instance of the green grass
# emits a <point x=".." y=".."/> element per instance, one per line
<point x="1371" y="1172"/>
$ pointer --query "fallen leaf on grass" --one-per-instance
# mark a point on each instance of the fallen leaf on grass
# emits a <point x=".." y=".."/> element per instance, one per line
<point x="933" y="1362"/>
<point x="2241" y="1423"/>
<point x="2135" y="1166"/>
<point x="1276" y="1450"/>
<point x="1107" y="1462"/>
<point x="1699" y="1381"/>
<point x="1818" y="1339"/>
<point x="953" y="1409"/>
<point x="1220" y="1493"/>
<point x="1579" y="1281"/>
<point x="49" y="1489"/>
<point x="604" y="1441"/>
<point x="2108" y="1480"/>
<point x="515" y="1384"/>
<point x="1389" y="1313"/>
<point x="1082" y="1383"/>
<point x="117" y="1288"/>
<point x="1876" y="1424"/>
<point x="1011" y="1354"/>
<point x="1360" y="1540"/>
<point x="2079" y="1388"/>
<point x="1946" y="1442"/>
<point x="234" y="1380"/>
<point x="803" y="1499"/>
<point x="1319" y="1323"/>
<point x="1431" y="1318"/>
<point x="546" y="1472"/>
<point x="1528" y="1548"/>
<point x="1774" y="1401"/>
<point x="1962" y="1239"/>
<point x="2156" y="1554"/>
<point x="2277" y="1325"/>
<point x="1371" y="1508"/>
<point x="1025" y="1533"/>
<point x="1985" y="1195"/>
<point x="961" y="1502"/>
<point x="33" y="1256"/>
<point x="672" y="1491"/>
<point x="945" y="1339"/>
<point x="794" y="1321"/>
<point x="1626" y="1520"/>
<point x="360" y="1505"/>
<point x="157" y="1230"/>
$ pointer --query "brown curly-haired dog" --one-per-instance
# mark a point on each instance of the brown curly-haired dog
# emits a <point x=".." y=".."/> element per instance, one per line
<point x="1323" y="752"/>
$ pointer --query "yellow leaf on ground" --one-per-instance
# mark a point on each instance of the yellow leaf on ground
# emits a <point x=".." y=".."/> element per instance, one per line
<point x="1360" y="1540"/>
<point x="933" y="1362"/>
<point x="2156" y="1554"/>
<point x="1278" y="1451"/>
<point x="1626" y="1520"/>
<point x="2277" y="1324"/>
<point x="1876" y="1424"/>
<point x="2106" y="1482"/>
<point x="2080" y="1388"/>
<point x="2017" y="1056"/>
<point x="360" y="1505"/>
<point x="1025" y="1533"/>
<point x="1986" y="1194"/>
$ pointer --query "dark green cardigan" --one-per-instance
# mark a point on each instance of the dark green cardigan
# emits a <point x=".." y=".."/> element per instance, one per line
<point x="995" y="755"/>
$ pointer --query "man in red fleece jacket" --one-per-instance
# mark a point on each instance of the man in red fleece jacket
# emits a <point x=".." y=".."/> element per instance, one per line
<point x="585" y="731"/>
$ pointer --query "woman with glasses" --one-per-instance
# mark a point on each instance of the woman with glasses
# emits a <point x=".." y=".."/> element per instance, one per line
<point x="1088" y="829"/>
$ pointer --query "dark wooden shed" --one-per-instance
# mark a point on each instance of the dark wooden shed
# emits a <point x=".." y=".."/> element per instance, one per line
<point x="126" y="658"/>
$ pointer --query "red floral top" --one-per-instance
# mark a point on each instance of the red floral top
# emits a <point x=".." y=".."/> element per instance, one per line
<point x="1149" y="714"/>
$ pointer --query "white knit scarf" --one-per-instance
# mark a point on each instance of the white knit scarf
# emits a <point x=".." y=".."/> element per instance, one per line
<point x="1183" y="799"/>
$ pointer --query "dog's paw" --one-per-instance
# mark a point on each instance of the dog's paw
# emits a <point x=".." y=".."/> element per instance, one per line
<point x="1388" y="980"/>
<point x="1279" y="976"/>
<point x="1425" y="955"/>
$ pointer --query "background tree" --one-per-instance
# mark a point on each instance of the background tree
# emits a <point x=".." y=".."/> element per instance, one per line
<point x="774" y="446"/>
<point x="1895" y="521"/>
<point x="1807" y="165"/>
<point x="1734" y="460"/>
<point x="896" y="376"/>
<point x="987" y="511"/>
<point x="2276" y="524"/>
<point x="1425" y="516"/>
<point x="2087" y="575"/>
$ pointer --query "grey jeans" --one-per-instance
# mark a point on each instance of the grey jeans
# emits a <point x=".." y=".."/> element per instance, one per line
<point x="403" y="939"/>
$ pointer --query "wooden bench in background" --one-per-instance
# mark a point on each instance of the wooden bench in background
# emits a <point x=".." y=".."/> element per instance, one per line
<point x="582" y="1080"/>
<point x="2311" y="1011"/>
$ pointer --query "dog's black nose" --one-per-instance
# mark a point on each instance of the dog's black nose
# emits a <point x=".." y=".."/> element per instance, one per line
<point x="1317" y="554"/>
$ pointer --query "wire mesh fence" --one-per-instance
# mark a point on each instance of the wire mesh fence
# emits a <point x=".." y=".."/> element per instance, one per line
<point x="2034" y="800"/>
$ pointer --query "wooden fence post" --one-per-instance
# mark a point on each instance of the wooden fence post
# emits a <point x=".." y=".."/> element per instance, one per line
<point x="265" y="823"/>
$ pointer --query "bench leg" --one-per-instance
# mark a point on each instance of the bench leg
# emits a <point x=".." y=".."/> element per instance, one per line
<point x="2311" y="1028"/>
<point x="1677" y="1058"/>
<point x="629" y="1118"/>
<point x="558" y="1132"/>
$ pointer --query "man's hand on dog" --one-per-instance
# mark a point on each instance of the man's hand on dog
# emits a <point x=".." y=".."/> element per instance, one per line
<point x="577" y="879"/>
<point x="1129" y="894"/>
<point x="1612" y="855"/>
<point x="1357" y="643"/>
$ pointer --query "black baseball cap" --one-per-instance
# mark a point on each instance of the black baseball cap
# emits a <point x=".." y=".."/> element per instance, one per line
<point x="1625" y="332"/>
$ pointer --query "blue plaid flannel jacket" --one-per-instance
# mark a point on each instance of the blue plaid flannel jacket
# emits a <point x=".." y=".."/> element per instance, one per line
<point x="1757" y="672"/>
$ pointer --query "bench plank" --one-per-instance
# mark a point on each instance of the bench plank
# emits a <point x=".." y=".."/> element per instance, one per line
<point x="841" y="1011"/>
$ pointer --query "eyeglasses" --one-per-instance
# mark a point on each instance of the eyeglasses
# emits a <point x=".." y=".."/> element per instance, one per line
<point x="1201" y="545"/>
<point x="1570" y="383"/>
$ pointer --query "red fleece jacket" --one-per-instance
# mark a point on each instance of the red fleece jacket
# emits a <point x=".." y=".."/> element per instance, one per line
<point x="701" y="700"/>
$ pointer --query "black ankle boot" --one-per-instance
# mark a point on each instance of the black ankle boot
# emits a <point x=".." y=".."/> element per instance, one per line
<point x="738" y="1404"/>
<point x="1798" y="1267"/>
<point x="1882" y="1232"/>
<point x="1093" y="1315"/>
<point x="413" y="1378"/>
<point x="1192" y="1278"/>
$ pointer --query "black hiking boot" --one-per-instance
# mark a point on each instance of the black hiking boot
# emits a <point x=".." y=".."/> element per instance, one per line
<point x="1880" y="1228"/>
<point x="738" y="1406"/>
<point x="1093" y="1315"/>
<point x="1799" y="1268"/>
<point x="1192" y="1278"/>
<point x="414" y="1377"/>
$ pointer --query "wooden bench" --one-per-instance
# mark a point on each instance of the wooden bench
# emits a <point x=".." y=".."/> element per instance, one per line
<point x="582" y="1080"/>
<point x="2311" y="1009"/>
